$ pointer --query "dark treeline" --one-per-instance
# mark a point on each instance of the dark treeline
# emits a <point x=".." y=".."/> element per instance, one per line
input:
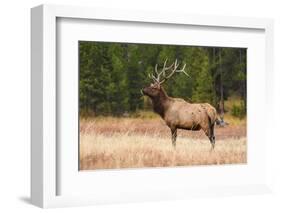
<point x="112" y="74"/>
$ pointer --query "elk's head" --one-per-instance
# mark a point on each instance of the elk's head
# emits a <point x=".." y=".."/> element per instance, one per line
<point x="153" y="90"/>
<point x="159" y="77"/>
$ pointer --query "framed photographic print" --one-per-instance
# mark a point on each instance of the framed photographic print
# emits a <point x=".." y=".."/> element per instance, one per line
<point x="129" y="106"/>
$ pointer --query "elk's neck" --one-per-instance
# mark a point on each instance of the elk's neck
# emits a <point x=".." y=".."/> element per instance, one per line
<point x="161" y="103"/>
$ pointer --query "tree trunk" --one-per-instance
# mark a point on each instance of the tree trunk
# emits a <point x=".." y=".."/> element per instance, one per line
<point x="244" y="83"/>
<point x="221" y="105"/>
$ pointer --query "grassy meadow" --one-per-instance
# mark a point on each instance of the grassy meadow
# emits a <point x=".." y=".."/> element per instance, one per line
<point x="145" y="141"/>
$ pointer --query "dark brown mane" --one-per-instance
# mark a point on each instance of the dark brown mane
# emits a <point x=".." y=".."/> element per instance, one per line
<point x="160" y="102"/>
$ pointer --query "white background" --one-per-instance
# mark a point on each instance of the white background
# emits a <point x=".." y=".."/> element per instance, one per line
<point x="15" y="105"/>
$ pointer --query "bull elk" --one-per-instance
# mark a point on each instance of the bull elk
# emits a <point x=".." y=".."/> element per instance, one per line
<point x="176" y="112"/>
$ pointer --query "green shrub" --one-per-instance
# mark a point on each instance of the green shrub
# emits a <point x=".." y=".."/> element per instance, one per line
<point x="238" y="110"/>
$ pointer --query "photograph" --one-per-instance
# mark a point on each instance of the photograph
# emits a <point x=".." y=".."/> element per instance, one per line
<point x="161" y="105"/>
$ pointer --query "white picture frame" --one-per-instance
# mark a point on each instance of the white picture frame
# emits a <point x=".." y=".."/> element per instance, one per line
<point x="44" y="150"/>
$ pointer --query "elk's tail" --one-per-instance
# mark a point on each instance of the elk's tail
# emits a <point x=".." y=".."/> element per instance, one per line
<point x="213" y="116"/>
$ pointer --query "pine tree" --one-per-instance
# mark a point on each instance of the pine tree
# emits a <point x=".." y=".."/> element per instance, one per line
<point x="203" y="83"/>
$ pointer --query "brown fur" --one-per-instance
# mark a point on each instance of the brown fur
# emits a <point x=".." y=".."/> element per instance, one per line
<point x="179" y="114"/>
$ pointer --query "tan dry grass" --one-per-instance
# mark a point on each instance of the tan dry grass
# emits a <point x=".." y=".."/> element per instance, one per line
<point x="133" y="143"/>
<point x="139" y="126"/>
<point x="123" y="151"/>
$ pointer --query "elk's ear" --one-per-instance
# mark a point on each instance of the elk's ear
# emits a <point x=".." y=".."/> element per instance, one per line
<point x="151" y="85"/>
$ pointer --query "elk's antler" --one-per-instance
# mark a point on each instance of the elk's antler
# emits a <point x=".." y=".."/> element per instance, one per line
<point x="162" y="76"/>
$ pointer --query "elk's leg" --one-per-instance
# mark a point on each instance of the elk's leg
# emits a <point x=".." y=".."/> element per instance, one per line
<point x="174" y="136"/>
<point x="212" y="136"/>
